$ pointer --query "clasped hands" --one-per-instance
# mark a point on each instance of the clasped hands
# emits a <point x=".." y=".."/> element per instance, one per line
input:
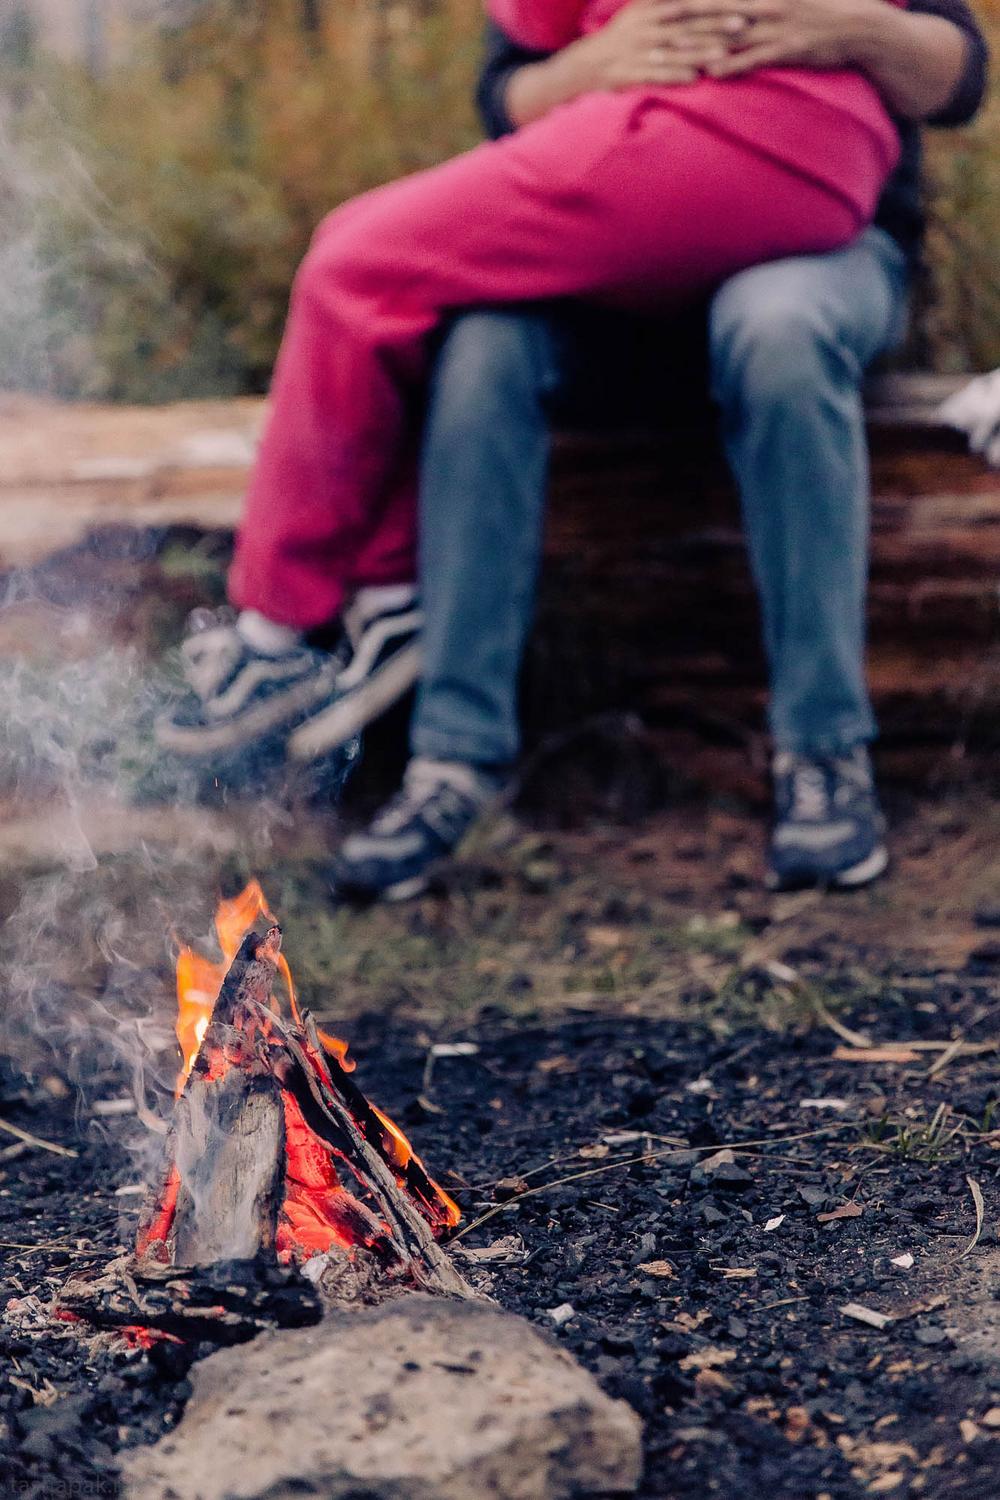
<point x="677" y="41"/>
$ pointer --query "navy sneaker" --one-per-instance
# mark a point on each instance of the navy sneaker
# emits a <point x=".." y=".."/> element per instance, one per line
<point x="396" y="855"/>
<point x="239" y="697"/>
<point x="383" y="665"/>
<point x="829" y="829"/>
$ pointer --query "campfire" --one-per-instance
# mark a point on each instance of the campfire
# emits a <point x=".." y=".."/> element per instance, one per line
<point x="273" y="1150"/>
<point x="273" y="1158"/>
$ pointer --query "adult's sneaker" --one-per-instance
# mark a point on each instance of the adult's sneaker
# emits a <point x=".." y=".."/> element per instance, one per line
<point x="396" y="855"/>
<point x="829" y="828"/>
<point x="384" y="664"/>
<point x="240" y="697"/>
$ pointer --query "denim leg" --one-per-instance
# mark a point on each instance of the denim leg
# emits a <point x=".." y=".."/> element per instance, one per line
<point x="483" y="481"/>
<point x="790" y="342"/>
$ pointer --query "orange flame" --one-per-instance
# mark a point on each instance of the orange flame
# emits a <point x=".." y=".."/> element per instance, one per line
<point x="199" y="979"/>
<point x="317" y="1212"/>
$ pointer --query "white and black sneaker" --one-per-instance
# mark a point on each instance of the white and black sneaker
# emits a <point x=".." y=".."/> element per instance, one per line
<point x="382" y="628"/>
<point x="396" y="855"/>
<point x="829" y="828"/>
<point x="240" y="696"/>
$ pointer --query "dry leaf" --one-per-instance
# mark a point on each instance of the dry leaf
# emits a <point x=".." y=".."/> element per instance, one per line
<point x="886" y="1482"/>
<point x="604" y="937"/>
<point x="904" y="1262"/>
<point x="969" y="1430"/>
<point x="774" y="1223"/>
<point x="865" y="1315"/>
<point x="707" y="1359"/>
<point x="661" y="1268"/>
<point x="797" y="1423"/>
<point x="836" y="1104"/>
<point x="991" y="1419"/>
<point x="594" y="1153"/>
<point x="686" y="1322"/>
<point x="509" y="1187"/>
<point x="738" y="1273"/>
<point x="850" y="1210"/>
<point x="896" y="1052"/>
<point x="557" y="1064"/>
<point x="711" y="1383"/>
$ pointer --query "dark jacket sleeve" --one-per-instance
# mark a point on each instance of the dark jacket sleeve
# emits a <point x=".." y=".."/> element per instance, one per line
<point x="503" y="57"/>
<point x="970" y="90"/>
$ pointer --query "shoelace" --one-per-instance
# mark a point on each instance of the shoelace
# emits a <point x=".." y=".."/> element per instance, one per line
<point x="810" y="794"/>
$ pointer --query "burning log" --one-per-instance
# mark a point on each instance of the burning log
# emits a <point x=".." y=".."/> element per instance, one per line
<point x="275" y="1153"/>
<point x="224" y="1304"/>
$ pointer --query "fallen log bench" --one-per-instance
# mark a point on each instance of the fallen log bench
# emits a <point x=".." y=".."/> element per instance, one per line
<point x="648" y="591"/>
<point x="647" y="607"/>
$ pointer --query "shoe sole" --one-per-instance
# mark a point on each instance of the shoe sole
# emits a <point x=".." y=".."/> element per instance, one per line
<point x="332" y="727"/>
<point x="248" y="730"/>
<point x="863" y="873"/>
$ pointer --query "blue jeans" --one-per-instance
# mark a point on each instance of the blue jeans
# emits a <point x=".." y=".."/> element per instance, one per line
<point x="787" y="347"/>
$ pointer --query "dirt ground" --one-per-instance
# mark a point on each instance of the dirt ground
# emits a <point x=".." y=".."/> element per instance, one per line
<point x="639" y="1007"/>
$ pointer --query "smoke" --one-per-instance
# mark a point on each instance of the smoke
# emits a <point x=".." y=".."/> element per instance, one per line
<point x="24" y="334"/>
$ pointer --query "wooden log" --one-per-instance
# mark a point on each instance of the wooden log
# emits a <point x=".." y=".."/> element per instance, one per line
<point x="647" y="606"/>
<point x="230" y="1154"/>
<point x="226" y="1303"/>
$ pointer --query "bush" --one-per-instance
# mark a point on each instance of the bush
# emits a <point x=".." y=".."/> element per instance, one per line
<point x="157" y="214"/>
<point x="162" y="210"/>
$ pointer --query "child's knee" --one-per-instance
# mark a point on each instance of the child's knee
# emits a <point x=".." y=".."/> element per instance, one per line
<point x="334" y="259"/>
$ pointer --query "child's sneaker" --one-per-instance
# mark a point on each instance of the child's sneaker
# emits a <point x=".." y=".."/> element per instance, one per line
<point x="239" y="696"/>
<point x="384" y="664"/>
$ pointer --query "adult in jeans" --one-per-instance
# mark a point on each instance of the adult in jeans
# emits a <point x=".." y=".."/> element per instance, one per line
<point x="788" y="345"/>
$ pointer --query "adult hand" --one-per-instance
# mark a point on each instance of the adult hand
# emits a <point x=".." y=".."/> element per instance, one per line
<point x="656" y="42"/>
<point x="646" y="42"/>
<point x="775" y="33"/>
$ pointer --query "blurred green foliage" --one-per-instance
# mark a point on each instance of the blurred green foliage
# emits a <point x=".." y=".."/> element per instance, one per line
<point x="155" y="215"/>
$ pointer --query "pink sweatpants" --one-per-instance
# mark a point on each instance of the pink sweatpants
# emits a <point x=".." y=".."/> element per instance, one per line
<point x="625" y="198"/>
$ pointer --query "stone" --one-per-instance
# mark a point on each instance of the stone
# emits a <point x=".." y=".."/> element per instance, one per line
<point x="422" y="1397"/>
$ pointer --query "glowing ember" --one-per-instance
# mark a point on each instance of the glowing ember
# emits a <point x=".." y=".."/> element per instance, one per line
<point x="230" y="1027"/>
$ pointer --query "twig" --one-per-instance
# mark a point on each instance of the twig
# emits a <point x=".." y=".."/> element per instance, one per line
<point x="52" y="1245"/>
<point x="944" y="1058"/>
<point x="480" y="1187"/>
<point x="977" y="1198"/>
<point x="36" y="1141"/>
<point x="854" y="1038"/>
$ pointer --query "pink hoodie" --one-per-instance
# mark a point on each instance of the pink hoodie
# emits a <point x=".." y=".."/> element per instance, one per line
<point x="751" y="109"/>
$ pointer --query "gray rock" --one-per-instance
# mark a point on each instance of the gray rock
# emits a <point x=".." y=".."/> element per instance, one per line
<point x="422" y="1398"/>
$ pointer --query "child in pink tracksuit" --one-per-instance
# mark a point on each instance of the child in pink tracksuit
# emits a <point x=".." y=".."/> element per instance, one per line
<point x="644" y="197"/>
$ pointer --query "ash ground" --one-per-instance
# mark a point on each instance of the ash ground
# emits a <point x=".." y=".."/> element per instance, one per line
<point x="623" y="975"/>
<point x="735" y="1352"/>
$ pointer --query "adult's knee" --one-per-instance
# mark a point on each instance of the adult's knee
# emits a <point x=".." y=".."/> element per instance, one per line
<point x="487" y="360"/>
<point x="770" y="344"/>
